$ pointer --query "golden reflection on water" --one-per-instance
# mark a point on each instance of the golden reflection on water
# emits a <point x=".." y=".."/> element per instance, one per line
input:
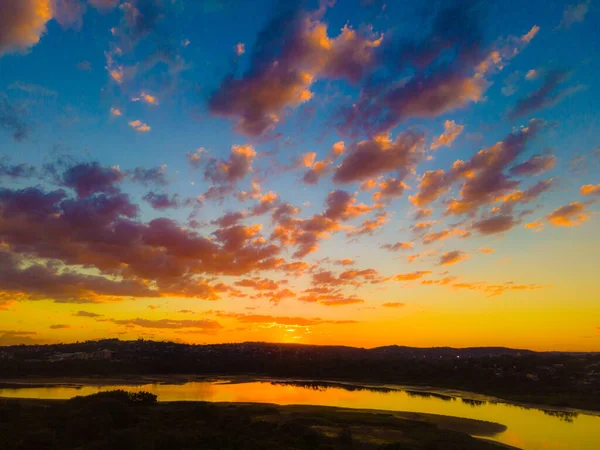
<point x="529" y="429"/>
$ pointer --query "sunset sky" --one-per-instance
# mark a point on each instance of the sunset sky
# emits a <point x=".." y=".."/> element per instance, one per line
<point x="359" y="172"/>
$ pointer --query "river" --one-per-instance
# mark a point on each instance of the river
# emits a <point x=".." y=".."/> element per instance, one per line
<point x="527" y="428"/>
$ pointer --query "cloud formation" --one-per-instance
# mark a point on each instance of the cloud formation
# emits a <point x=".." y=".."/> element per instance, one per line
<point x="569" y="215"/>
<point x="292" y="52"/>
<point x="380" y="155"/>
<point x="451" y="132"/>
<point x="453" y="257"/>
<point x="22" y="24"/>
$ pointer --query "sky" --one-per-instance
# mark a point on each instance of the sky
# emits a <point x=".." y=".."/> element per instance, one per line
<point x="359" y="172"/>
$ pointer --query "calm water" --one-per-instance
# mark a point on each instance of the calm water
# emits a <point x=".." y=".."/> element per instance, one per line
<point x="529" y="429"/>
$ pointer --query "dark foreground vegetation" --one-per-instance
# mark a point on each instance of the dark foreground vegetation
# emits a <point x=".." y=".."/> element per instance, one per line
<point x="556" y="379"/>
<point x="118" y="420"/>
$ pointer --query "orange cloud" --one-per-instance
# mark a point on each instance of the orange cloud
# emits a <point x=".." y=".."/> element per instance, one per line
<point x="493" y="290"/>
<point x="22" y="23"/>
<point x="379" y="155"/>
<point x="282" y="320"/>
<point x="146" y="98"/>
<point x="441" y="235"/>
<point x="344" y="262"/>
<point x="398" y="246"/>
<point x="393" y="305"/>
<point x="482" y="175"/>
<point x="369" y="226"/>
<point x="453" y="257"/>
<point x="204" y="325"/>
<point x="590" y="189"/>
<point x="495" y="224"/>
<point x="569" y="215"/>
<point x="530" y="34"/>
<point x="451" y="132"/>
<point x="240" y="48"/>
<point x="411" y="276"/>
<point x="273" y="84"/>
<point x="140" y="126"/>
<point x="536" y="225"/>
<point x="486" y="250"/>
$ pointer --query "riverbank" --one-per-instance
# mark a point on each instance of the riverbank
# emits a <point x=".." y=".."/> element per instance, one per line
<point x="140" y="380"/>
<point x="319" y="426"/>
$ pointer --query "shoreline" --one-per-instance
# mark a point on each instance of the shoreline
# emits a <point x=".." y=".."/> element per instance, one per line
<point x="478" y="429"/>
<point x="178" y="379"/>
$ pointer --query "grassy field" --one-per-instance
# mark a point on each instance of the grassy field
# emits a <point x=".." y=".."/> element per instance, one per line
<point x="118" y="421"/>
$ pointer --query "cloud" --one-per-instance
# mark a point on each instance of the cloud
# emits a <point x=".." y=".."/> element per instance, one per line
<point x="451" y="132"/>
<point x="258" y="284"/>
<point x="536" y="165"/>
<point x="453" y="257"/>
<point x="59" y="326"/>
<point x="574" y="14"/>
<point x="91" y="315"/>
<point x="536" y="226"/>
<point x="373" y="157"/>
<point x="155" y="176"/>
<point x="291" y="53"/>
<point x="12" y="119"/>
<point x="22" y="24"/>
<point x="320" y="168"/>
<point x="547" y="95"/>
<point x="570" y="215"/>
<point x="266" y="203"/>
<point x="102" y="233"/>
<point x="486" y="250"/>
<point x="69" y="13"/>
<point x="239" y="48"/>
<point x="226" y="172"/>
<point x="139" y="126"/>
<point x="532" y="74"/>
<point x="91" y="178"/>
<point x="412" y="275"/>
<point x="282" y="320"/>
<point x="370" y="226"/>
<point x="423" y="213"/>
<point x="518" y="197"/>
<point x="14" y="337"/>
<point x="344" y="262"/>
<point x="147" y="98"/>
<point x="305" y="234"/>
<point x="204" y="325"/>
<point x="441" y="235"/>
<point x="494" y="225"/>
<point x="483" y="177"/>
<point x="194" y="158"/>
<point x="39" y="282"/>
<point x="33" y="89"/>
<point x="15" y="171"/>
<point x="161" y="201"/>
<point x="398" y="246"/>
<point x="393" y="305"/>
<point x="229" y="219"/>
<point x="389" y="188"/>
<point x="115" y="112"/>
<point x="493" y="290"/>
<point x="588" y="189"/>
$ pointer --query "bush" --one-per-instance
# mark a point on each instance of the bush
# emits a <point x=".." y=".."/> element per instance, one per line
<point x="130" y="398"/>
